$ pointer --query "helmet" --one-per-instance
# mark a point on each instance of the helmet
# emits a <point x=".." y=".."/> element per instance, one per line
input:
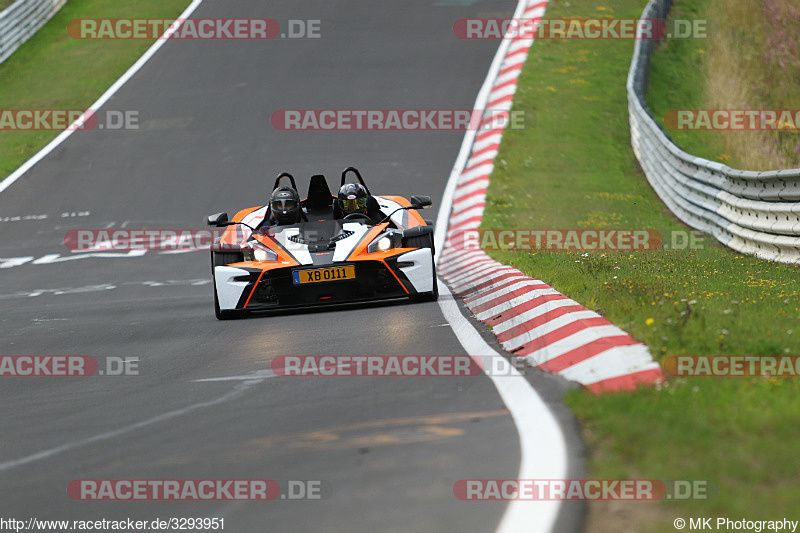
<point x="284" y="203"/>
<point x="352" y="199"/>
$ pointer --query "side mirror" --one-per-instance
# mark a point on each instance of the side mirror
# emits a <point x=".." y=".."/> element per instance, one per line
<point x="218" y="220"/>
<point x="418" y="202"/>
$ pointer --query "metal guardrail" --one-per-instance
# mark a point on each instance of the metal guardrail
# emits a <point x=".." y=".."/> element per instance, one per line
<point x="751" y="212"/>
<point x="23" y="18"/>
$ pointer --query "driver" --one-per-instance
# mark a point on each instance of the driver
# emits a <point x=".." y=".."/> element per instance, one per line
<point x="352" y="198"/>
<point x="284" y="206"/>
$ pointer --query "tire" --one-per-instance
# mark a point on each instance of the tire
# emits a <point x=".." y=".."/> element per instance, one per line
<point x="424" y="241"/>
<point x="219" y="259"/>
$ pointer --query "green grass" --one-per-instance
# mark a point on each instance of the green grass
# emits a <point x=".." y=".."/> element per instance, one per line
<point x="745" y="66"/>
<point x="677" y="82"/>
<point x="5" y="3"/>
<point x="736" y="433"/>
<point x="54" y="71"/>
<point x="575" y="170"/>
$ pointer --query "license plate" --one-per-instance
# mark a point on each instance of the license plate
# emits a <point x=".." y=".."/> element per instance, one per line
<point x="318" y="275"/>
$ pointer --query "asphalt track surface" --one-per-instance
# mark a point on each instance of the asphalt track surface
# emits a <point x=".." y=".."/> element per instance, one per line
<point x="391" y="448"/>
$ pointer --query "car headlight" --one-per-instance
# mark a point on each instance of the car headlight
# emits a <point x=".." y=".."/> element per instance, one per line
<point x="385" y="241"/>
<point x="259" y="252"/>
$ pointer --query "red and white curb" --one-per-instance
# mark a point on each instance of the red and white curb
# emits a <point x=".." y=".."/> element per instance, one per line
<point x="530" y="318"/>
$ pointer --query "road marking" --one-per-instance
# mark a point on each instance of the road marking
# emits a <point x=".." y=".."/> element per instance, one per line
<point x="56" y="258"/>
<point x="15" y="261"/>
<point x="170" y="282"/>
<point x="237" y="392"/>
<point x="77" y="290"/>
<point x="258" y="374"/>
<point x="543" y="450"/>
<point x="48" y="259"/>
<point x="103" y="287"/>
<point x="191" y="250"/>
<point x="21" y="218"/>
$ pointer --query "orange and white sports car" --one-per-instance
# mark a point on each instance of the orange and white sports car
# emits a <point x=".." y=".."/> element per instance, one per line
<point x="327" y="257"/>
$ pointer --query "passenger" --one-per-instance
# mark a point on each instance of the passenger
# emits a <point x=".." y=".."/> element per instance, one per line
<point x="284" y="207"/>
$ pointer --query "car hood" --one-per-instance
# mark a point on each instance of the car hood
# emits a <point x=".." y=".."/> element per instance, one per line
<point x="321" y="242"/>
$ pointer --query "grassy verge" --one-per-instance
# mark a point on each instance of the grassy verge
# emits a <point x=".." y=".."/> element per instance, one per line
<point x="753" y="52"/>
<point x="678" y="81"/>
<point x="54" y="71"/>
<point x="574" y="170"/>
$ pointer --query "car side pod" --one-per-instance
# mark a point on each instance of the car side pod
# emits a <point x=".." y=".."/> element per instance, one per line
<point x="419" y="266"/>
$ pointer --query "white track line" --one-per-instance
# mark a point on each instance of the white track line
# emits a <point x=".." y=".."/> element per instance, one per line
<point x="14" y="176"/>
<point x="542" y="446"/>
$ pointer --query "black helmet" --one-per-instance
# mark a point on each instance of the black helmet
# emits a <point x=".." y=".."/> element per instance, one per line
<point x="352" y="198"/>
<point x="284" y="203"/>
